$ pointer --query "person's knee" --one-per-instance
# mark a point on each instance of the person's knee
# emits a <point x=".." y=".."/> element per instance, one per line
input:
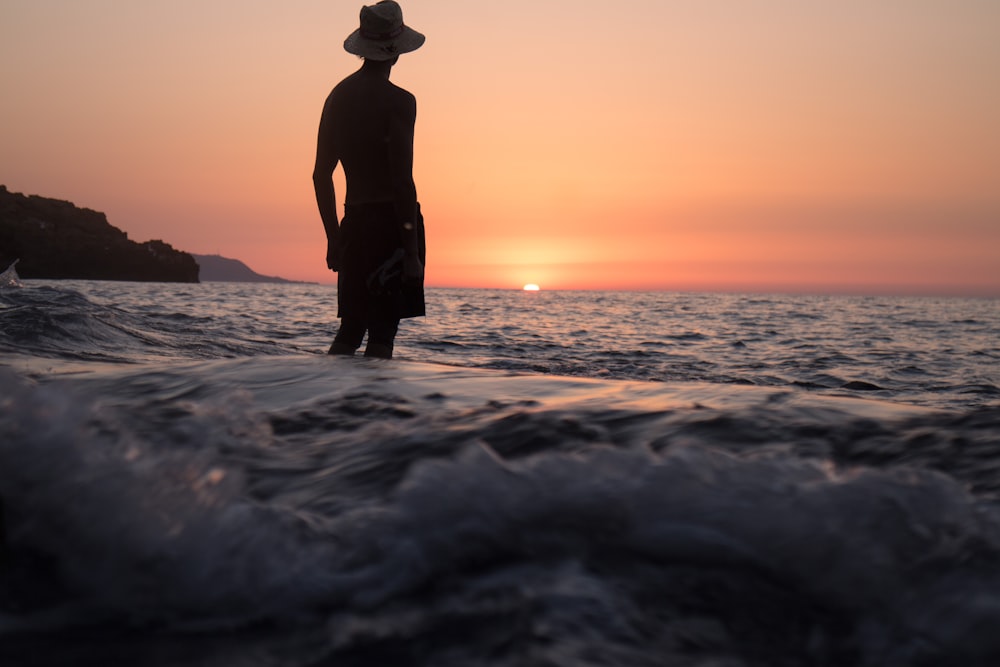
<point x="383" y="331"/>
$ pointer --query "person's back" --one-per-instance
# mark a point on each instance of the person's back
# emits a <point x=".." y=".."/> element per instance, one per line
<point x="365" y="109"/>
<point x="378" y="249"/>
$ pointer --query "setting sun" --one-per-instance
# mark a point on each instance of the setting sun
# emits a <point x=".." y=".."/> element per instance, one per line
<point x="790" y="147"/>
<point x="531" y="287"/>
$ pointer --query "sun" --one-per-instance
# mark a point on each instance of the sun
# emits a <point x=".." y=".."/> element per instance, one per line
<point x="531" y="287"/>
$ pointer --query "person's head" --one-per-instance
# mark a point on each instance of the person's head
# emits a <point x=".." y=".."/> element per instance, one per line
<point x="382" y="35"/>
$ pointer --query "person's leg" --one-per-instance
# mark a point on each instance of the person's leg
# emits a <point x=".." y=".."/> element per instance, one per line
<point x="3" y="537"/>
<point x="349" y="336"/>
<point x="381" y="335"/>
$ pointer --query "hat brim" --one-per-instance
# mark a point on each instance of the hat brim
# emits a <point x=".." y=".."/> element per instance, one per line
<point x="406" y="41"/>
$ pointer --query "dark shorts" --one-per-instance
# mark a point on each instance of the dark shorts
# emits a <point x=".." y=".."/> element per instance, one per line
<point x="370" y="283"/>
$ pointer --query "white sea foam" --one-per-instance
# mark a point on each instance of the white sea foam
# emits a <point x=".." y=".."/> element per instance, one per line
<point x="566" y="523"/>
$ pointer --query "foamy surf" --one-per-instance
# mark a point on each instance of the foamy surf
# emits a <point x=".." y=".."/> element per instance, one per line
<point x="348" y="511"/>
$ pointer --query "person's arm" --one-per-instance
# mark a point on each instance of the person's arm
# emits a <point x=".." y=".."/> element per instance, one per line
<point x="400" y="146"/>
<point x="326" y="199"/>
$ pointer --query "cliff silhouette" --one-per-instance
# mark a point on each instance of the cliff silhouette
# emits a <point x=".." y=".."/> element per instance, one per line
<point x="55" y="239"/>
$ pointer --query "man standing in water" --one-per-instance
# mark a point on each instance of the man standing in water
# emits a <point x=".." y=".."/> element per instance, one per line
<point x="378" y="248"/>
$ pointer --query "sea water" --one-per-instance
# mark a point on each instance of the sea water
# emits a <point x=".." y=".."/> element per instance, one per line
<point x="550" y="478"/>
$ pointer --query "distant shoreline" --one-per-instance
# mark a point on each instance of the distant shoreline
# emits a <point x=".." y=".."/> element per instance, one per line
<point x="219" y="269"/>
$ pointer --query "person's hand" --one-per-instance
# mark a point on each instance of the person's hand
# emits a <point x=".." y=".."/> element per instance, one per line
<point x="413" y="269"/>
<point x="334" y="254"/>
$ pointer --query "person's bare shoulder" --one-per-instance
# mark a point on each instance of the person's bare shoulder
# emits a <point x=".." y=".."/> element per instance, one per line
<point x="404" y="100"/>
<point x="346" y="89"/>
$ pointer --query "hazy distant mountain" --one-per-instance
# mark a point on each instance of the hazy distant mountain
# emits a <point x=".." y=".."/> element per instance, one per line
<point x="215" y="268"/>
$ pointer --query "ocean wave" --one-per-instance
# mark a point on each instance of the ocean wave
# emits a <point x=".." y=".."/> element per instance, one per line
<point x="938" y="353"/>
<point x="373" y="512"/>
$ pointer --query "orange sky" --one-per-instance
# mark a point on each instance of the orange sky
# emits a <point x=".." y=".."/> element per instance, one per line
<point x="763" y="145"/>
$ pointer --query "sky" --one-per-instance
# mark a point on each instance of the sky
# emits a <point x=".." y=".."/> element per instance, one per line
<point x="751" y="146"/>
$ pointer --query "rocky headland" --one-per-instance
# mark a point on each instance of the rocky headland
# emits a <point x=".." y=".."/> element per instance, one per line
<point x="55" y="239"/>
<point x="215" y="268"/>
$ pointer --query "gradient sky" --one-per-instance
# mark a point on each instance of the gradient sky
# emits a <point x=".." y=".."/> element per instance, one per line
<point x="760" y="145"/>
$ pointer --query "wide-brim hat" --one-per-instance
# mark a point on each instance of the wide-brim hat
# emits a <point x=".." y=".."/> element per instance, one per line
<point x="382" y="35"/>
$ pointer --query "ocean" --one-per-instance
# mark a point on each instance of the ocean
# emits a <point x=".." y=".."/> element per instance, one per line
<point x="538" y="478"/>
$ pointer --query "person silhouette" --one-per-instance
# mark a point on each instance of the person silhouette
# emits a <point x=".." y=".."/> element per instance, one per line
<point x="378" y="249"/>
